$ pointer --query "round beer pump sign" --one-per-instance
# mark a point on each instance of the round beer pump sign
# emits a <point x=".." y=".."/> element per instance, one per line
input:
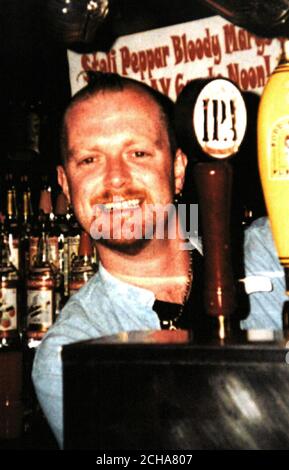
<point x="220" y="118"/>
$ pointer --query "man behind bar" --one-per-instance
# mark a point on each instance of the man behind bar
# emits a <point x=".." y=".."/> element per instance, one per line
<point x="121" y="164"/>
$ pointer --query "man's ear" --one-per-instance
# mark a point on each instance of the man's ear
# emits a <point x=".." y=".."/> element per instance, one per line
<point x="62" y="181"/>
<point x="180" y="164"/>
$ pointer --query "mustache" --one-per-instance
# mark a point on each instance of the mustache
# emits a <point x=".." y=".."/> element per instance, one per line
<point x="107" y="196"/>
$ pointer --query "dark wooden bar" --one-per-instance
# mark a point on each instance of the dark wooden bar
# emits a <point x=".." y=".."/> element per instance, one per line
<point x="171" y="390"/>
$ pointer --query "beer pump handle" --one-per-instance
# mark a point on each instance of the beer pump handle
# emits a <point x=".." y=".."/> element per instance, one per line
<point x="273" y="156"/>
<point x="213" y="181"/>
<point x="211" y="124"/>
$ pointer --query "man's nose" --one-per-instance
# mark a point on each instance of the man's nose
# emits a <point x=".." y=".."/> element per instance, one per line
<point x="117" y="173"/>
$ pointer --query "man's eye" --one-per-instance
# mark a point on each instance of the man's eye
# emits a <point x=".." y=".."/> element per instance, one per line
<point x="140" y="153"/>
<point x="87" y="161"/>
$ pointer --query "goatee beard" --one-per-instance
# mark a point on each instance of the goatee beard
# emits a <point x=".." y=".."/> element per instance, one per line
<point x="132" y="248"/>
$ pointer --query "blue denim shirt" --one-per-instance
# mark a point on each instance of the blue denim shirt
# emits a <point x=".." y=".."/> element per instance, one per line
<point x="107" y="306"/>
<point x="261" y="259"/>
<point x="103" y="307"/>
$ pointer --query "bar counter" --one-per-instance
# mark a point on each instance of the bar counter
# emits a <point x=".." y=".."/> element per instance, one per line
<point x="173" y="390"/>
<point x="167" y="390"/>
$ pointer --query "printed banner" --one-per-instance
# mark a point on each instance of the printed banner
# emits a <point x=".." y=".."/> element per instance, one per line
<point x="167" y="58"/>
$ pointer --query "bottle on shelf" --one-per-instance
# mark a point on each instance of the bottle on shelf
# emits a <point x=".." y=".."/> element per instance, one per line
<point x="73" y="238"/>
<point x="40" y="292"/>
<point x="83" y="266"/>
<point x="61" y="230"/>
<point x="44" y="220"/>
<point x="26" y="223"/>
<point x="11" y="220"/>
<point x="11" y="354"/>
<point x="10" y="316"/>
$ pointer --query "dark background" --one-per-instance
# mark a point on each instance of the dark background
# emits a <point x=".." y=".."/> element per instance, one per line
<point x="34" y="75"/>
<point x="34" y="68"/>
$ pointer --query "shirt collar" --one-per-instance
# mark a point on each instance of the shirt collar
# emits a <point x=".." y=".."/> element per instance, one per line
<point x="144" y="296"/>
<point x="119" y="287"/>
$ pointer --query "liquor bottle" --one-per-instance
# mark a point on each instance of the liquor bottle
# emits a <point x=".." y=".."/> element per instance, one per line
<point x="73" y="238"/>
<point x="11" y="355"/>
<point x="45" y="219"/>
<point x="25" y="188"/>
<point x="10" y="322"/>
<point x="61" y="213"/>
<point x="61" y="226"/>
<point x="11" y="220"/>
<point x="83" y="266"/>
<point x="26" y="224"/>
<point x="40" y="291"/>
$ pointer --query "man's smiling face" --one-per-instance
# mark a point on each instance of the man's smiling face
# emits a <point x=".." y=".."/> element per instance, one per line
<point x="118" y="158"/>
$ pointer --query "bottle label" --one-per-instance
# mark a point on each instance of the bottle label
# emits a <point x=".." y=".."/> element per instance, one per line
<point x="46" y="284"/>
<point x="65" y="267"/>
<point x="8" y="309"/>
<point x="62" y="243"/>
<point x="33" y="243"/>
<point x="279" y="160"/>
<point x="39" y="308"/>
<point x="73" y="245"/>
<point x="54" y="252"/>
<point x="14" y="250"/>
